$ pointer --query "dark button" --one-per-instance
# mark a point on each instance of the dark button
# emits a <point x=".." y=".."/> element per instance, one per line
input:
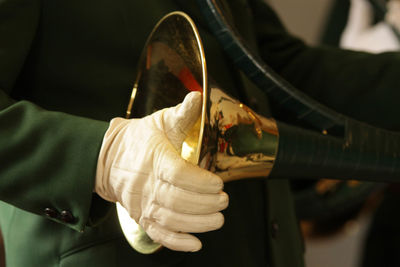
<point x="50" y="212"/>
<point x="274" y="229"/>
<point x="67" y="217"/>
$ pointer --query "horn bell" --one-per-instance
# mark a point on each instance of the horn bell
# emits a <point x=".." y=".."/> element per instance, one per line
<point x="228" y="139"/>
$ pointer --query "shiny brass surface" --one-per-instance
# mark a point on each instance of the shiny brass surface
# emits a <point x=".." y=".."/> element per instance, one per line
<point x="237" y="143"/>
<point x="229" y="138"/>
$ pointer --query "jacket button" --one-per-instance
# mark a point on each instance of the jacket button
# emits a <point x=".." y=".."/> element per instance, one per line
<point x="67" y="217"/>
<point x="274" y="229"/>
<point x="50" y="212"/>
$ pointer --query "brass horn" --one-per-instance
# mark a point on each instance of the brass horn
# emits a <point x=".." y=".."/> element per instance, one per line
<point x="232" y="140"/>
<point x="171" y="65"/>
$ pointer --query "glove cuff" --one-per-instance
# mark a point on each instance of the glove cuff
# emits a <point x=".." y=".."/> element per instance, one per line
<point x="108" y="149"/>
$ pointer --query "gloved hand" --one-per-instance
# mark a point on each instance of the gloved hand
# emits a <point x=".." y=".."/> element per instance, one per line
<point x="361" y="34"/>
<point x="140" y="167"/>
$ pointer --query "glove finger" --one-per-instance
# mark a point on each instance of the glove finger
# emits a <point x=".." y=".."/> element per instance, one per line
<point x="170" y="239"/>
<point x="180" y="222"/>
<point x="184" y="201"/>
<point x="175" y="170"/>
<point x="180" y="119"/>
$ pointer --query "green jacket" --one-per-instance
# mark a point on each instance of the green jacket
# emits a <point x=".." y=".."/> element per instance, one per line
<point x="67" y="68"/>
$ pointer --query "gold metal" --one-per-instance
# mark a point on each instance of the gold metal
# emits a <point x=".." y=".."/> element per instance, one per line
<point x="238" y="143"/>
<point x="171" y="64"/>
<point x="229" y="138"/>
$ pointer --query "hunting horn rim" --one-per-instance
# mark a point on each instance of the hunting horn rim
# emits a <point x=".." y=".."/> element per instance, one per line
<point x="134" y="234"/>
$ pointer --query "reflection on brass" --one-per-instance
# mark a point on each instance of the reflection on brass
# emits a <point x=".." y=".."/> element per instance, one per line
<point x="229" y="138"/>
<point x="237" y="142"/>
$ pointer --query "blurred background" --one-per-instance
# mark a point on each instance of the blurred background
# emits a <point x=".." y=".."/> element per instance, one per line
<point x="305" y="18"/>
<point x="308" y="20"/>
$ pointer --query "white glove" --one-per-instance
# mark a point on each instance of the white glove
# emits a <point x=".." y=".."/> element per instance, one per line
<point x="140" y="167"/>
<point x="360" y="34"/>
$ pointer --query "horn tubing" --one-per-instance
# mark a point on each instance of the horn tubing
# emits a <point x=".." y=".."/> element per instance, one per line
<point x="278" y="89"/>
<point x="365" y="153"/>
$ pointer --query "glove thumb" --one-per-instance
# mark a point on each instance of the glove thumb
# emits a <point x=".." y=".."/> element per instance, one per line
<point x="180" y="119"/>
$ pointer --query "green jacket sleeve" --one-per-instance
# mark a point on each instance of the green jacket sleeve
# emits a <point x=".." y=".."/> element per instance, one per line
<point x="47" y="159"/>
<point x="362" y="85"/>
